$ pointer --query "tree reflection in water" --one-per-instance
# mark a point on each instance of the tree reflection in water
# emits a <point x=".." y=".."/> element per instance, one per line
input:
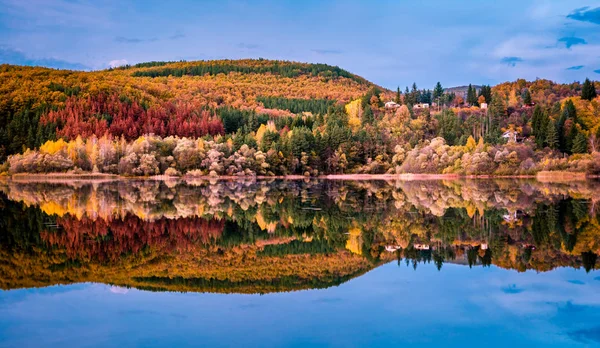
<point x="277" y="235"/>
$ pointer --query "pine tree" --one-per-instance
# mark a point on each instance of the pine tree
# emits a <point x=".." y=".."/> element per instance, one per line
<point x="588" y="91"/>
<point x="526" y="95"/>
<point x="496" y="114"/>
<point x="438" y="91"/>
<point x="486" y="92"/>
<point x="552" y="135"/>
<point x="580" y="144"/>
<point x="469" y="94"/>
<point x="538" y="125"/>
<point x="367" y="116"/>
<point x="565" y="140"/>
<point x="397" y="100"/>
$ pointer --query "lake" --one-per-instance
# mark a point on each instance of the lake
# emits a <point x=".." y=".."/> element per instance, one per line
<point x="299" y="263"/>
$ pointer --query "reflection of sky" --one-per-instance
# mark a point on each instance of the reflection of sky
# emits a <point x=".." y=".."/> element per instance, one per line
<point x="390" y="305"/>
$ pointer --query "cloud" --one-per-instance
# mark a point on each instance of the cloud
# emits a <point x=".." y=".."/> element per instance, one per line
<point x="575" y="67"/>
<point x="11" y="56"/>
<point x="597" y="71"/>
<point x="585" y="14"/>
<point x="572" y="41"/>
<point x="176" y="36"/>
<point x="133" y="40"/>
<point x="117" y="62"/>
<point x="511" y="61"/>
<point x="326" y="52"/>
<point x="586" y="335"/>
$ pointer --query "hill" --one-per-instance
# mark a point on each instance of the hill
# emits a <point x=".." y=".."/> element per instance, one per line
<point x="164" y="98"/>
<point x="262" y="117"/>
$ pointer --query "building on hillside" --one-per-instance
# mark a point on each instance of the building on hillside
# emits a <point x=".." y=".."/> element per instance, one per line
<point x="510" y="135"/>
<point x="392" y="105"/>
<point x="483" y="105"/>
<point x="392" y="248"/>
<point x="421" y="106"/>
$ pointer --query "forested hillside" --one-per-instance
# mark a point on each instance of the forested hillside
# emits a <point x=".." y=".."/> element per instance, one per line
<point x="163" y="98"/>
<point x="262" y="117"/>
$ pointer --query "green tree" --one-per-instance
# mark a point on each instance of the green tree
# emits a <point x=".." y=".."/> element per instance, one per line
<point x="580" y="144"/>
<point x="496" y="114"/>
<point x="367" y="116"/>
<point x="449" y="127"/>
<point x="486" y="92"/>
<point x="588" y="91"/>
<point x="438" y="91"/>
<point x="551" y="135"/>
<point x="526" y="96"/>
<point x="398" y="94"/>
<point x="471" y="95"/>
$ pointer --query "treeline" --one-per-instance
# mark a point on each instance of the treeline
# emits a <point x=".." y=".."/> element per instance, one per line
<point x="285" y="69"/>
<point x="296" y="105"/>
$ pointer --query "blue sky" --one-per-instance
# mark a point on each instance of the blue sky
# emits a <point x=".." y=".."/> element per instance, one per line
<point x="388" y="42"/>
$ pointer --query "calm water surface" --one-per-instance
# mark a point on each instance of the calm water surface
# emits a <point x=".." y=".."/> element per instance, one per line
<point x="294" y="263"/>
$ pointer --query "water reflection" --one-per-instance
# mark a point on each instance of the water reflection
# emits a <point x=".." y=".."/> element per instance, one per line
<point x="273" y="236"/>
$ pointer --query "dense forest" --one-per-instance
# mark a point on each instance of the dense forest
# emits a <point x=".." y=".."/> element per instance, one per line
<point x="262" y="117"/>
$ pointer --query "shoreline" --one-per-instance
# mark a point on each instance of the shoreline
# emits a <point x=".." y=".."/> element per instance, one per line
<point x="552" y="176"/>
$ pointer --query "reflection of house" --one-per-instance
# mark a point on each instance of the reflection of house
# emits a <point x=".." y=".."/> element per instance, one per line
<point x="421" y="246"/>
<point x="421" y="106"/>
<point x="511" y="218"/>
<point x="510" y="135"/>
<point x="391" y="105"/>
<point x="392" y="248"/>
<point x="483" y="105"/>
<point x="484" y="246"/>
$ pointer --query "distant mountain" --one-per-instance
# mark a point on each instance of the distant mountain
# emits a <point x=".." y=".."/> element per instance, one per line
<point x="461" y="90"/>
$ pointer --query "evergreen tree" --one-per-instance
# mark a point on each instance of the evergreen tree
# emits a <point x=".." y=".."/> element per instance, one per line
<point x="552" y="135"/>
<point x="398" y="99"/>
<point x="486" y="92"/>
<point x="588" y="92"/>
<point x="538" y="125"/>
<point x="367" y="116"/>
<point x="580" y="144"/>
<point x="496" y="113"/>
<point x="565" y="140"/>
<point x="470" y="95"/>
<point x="438" y="91"/>
<point x="526" y="95"/>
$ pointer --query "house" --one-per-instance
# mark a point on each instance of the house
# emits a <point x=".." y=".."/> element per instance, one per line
<point x="510" y="135"/>
<point x="392" y="105"/>
<point x="392" y="248"/>
<point x="421" y="106"/>
<point x="483" y="105"/>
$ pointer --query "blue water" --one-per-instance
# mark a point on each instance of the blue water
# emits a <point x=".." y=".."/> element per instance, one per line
<point x="390" y="305"/>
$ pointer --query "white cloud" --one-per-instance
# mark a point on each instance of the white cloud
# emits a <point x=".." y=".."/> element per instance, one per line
<point x="117" y="62"/>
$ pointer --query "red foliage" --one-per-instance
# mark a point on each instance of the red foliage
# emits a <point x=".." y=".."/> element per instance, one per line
<point x="108" y="114"/>
<point x="108" y="240"/>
